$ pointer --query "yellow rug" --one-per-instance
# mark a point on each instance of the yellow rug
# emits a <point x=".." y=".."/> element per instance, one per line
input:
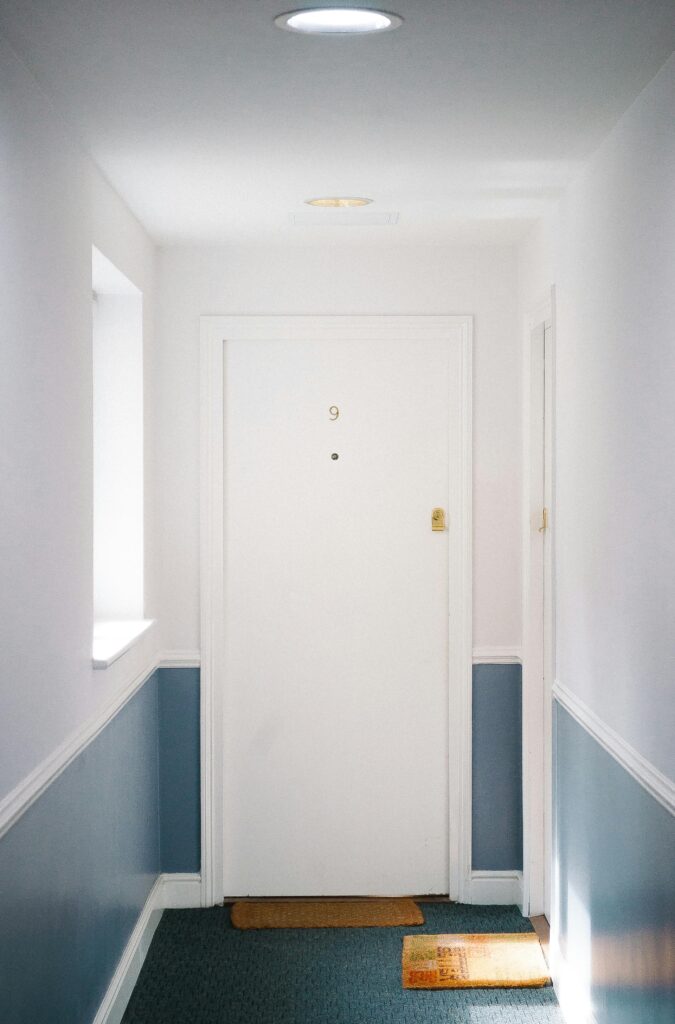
<point x="474" y="961"/>
<point x="365" y="913"/>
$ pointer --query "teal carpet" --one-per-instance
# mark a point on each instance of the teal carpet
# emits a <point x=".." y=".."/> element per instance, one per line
<point x="200" y="970"/>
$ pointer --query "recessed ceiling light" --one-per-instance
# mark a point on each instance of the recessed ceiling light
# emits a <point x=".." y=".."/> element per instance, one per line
<point x="340" y="201"/>
<point x="338" y="21"/>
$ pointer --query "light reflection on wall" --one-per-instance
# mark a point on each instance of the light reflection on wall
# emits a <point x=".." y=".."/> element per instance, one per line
<point x="613" y="915"/>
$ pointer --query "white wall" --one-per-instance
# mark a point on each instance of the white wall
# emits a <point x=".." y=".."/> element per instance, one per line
<point x="347" y="279"/>
<point x="610" y="249"/>
<point x="53" y="206"/>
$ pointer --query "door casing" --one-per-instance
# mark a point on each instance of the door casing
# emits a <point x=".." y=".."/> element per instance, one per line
<point x="538" y="622"/>
<point x="215" y="330"/>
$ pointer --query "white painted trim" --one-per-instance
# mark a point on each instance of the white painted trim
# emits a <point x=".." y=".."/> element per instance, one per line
<point x="497" y="656"/>
<point x="658" y="785"/>
<point x="549" y="602"/>
<point x="211" y="522"/>
<point x="121" y="986"/>
<point x="33" y="786"/>
<point x="180" y="659"/>
<point x="170" y="891"/>
<point x="17" y="802"/>
<point x="502" y="888"/>
<point x="538" y="625"/>
<point x="460" y="665"/>
<point x="112" y="639"/>
<point x="181" y="891"/>
<point x="214" y="329"/>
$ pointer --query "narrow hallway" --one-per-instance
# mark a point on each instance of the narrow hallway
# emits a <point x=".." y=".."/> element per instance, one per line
<point x="336" y="443"/>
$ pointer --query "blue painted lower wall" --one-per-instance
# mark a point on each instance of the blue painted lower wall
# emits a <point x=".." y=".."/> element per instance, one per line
<point x="75" y="871"/>
<point x="77" y="867"/>
<point x="614" y="882"/>
<point x="497" y="807"/>
<point x="179" y="769"/>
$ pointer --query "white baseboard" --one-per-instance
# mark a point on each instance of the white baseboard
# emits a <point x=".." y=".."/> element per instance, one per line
<point x="125" y="977"/>
<point x="179" y="892"/>
<point x="497" y="887"/>
<point x="573" y="998"/>
<point x="172" y="891"/>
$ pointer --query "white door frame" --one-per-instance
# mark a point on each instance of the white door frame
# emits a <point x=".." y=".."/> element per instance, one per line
<point x="538" y="632"/>
<point x="214" y="332"/>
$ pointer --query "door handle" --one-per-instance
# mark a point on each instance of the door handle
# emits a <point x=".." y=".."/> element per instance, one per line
<point x="544" y="520"/>
<point x="438" y="519"/>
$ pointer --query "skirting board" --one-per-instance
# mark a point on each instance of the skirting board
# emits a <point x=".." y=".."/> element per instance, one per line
<point x="169" y="892"/>
<point x="502" y="888"/>
<point x="180" y="892"/>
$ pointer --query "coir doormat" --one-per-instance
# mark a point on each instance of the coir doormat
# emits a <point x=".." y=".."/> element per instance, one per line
<point x="365" y="913"/>
<point x="474" y="961"/>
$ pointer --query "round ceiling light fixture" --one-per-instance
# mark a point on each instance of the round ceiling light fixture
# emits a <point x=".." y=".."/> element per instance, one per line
<point x="338" y="21"/>
<point x="338" y="201"/>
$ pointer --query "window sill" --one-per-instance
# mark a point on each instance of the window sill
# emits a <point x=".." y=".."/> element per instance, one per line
<point x="113" y="639"/>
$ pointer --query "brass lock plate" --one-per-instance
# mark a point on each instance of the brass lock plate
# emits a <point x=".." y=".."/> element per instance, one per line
<point x="438" y="519"/>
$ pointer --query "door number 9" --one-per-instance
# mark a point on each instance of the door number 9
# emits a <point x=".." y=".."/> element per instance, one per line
<point x="334" y="412"/>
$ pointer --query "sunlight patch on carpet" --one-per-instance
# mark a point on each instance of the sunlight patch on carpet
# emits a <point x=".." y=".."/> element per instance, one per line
<point x="474" y="961"/>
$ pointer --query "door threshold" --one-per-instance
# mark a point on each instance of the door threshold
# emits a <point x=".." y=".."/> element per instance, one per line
<point x="432" y="898"/>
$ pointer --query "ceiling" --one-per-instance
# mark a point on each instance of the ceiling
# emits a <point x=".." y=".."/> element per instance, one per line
<point x="214" y="125"/>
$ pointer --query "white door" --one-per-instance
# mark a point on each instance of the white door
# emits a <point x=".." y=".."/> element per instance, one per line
<point x="336" y="608"/>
